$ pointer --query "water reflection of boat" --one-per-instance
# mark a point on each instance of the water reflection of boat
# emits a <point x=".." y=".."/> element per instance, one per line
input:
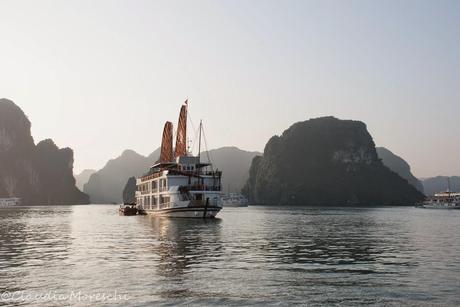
<point x="182" y="244"/>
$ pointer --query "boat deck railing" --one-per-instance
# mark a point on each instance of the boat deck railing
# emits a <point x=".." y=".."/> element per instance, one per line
<point x="200" y="187"/>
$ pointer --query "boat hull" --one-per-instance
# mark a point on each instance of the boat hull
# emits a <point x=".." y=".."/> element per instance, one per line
<point x="457" y="207"/>
<point x="187" y="212"/>
<point x="127" y="211"/>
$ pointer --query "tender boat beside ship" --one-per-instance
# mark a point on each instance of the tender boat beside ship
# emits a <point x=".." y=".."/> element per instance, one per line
<point x="128" y="209"/>
<point x="179" y="184"/>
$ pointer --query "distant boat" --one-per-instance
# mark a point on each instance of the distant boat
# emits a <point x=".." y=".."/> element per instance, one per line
<point x="443" y="200"/>
<point x="179" y="184"/>
<point x="235" y="200"/>
<point x="9" y="202"/>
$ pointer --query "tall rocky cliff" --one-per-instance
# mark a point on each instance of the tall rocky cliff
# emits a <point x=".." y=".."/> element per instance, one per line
<point x="38" y="174"/>
<point x="325" y="161"/>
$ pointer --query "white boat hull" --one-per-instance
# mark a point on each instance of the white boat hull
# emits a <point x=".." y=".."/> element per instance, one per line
<point x="441" y="206"/>
<point x="187" y="212"/>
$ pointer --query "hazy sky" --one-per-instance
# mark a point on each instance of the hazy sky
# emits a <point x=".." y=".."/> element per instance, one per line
<point x="104" y="76"/>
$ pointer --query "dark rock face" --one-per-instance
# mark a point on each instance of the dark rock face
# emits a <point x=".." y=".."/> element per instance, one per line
<point x="325" y="161"/>
<point x="40" y="174"/>
<point x="399" y="166"/>
<point x="440" y="184"/>
<point x="129" y="192"/>
<point x="106" y="185"/>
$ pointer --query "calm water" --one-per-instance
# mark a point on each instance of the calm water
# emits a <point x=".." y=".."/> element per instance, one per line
<point x="256" y="255"/>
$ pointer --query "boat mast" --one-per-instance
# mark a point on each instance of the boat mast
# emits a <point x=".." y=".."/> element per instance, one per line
<point x="199" y="141"/>
<point x="448" y="185"/>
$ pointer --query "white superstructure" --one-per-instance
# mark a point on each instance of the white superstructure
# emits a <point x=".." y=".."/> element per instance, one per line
<point x="185" y="188"/>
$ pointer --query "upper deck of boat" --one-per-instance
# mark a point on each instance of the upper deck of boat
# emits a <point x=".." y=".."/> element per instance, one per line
<point x="447" y="194"/>
<point x="186" y="166"/>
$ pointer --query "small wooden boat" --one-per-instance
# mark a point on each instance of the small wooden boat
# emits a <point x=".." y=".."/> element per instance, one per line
<point x="128" y="209"/>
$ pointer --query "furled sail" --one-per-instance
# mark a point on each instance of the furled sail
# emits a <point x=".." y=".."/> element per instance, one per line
<point x="181" y="138"/>
<point x="166" y="143"/>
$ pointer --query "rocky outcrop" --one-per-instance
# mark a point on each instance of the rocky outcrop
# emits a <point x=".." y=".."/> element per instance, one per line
<point x="325" y="161"/>
<point x="399" y="166"/>
<point x="38" y="174"/>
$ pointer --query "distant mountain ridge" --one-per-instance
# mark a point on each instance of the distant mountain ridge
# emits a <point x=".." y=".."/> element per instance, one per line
<point x="107" y="184"/>
<point x="39" y="174"/>
<point x="325" y="161"/>
<point x="83" y="177"/>
<point x="399" y="166"/>
<point x="234" y="164"/>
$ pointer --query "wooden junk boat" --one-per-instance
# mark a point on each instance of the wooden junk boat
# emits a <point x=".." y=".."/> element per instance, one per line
<point x="128" y="209"/>
<point x="179" y="184"/>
